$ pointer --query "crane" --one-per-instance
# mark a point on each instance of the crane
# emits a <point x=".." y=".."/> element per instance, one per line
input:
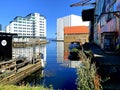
<point x="87" y="15"/>
<point x="82" y="3"/>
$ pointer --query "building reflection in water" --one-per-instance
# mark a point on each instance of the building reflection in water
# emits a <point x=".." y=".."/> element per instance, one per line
<point x="60" y="52"/>
<point x="62" y="56"/>
<point x="29" y="51"/>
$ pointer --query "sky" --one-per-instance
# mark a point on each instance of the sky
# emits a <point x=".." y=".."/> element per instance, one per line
<point x="51" y="9"/>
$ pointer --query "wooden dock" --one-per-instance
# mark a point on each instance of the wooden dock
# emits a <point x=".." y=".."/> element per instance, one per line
<point x="13" y="72"/>
<point x="30" y="43"/>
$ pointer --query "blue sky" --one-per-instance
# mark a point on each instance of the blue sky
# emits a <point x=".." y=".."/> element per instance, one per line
<point x="51" y="9"/>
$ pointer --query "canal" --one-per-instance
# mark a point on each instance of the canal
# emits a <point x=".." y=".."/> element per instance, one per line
<point x="58" y="71"/>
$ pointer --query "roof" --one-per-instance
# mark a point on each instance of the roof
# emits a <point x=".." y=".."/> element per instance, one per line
<point x="76" y="30"/>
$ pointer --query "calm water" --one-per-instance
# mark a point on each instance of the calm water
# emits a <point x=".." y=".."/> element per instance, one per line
<point x="59" y="71"/>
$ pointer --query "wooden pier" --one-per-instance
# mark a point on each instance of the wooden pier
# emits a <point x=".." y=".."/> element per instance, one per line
<point x="13" y="71"/>
<point x="32" y="42"/>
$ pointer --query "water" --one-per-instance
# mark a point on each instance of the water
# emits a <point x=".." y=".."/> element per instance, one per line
<point x="59" y="71"/>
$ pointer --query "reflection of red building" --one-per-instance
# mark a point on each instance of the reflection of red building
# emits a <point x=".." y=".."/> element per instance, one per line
<point x="66" y="54"/>
<point x="76" y="33"/>
<point x="66" y="50"/>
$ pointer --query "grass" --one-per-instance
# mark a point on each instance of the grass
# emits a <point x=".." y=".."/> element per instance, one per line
<point x="14" y="87"/>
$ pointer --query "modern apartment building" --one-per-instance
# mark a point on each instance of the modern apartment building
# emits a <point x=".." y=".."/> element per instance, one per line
<point x="70" y="20"/>
<point x="30" y="26"/>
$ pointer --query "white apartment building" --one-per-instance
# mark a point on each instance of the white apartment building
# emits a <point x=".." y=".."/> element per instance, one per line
<point x="70" y="20"/>
<point x="30" y="26"/>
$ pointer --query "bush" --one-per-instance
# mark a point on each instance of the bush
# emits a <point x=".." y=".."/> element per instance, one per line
<point x="88" y="54"/>
<point x="75" y="50"/>
<point x="88" y="79"/>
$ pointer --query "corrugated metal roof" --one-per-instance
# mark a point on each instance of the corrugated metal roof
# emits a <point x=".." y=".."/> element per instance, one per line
<point x="76" y="29"/>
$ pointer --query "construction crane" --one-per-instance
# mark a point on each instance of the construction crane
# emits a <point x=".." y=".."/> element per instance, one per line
<point x="82" y="3"/>
<point x="87" y="15"/>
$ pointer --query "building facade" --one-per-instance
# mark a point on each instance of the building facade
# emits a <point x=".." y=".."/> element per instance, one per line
<point x="76" y="33"/>
<point x="30" y="26"/>
<point x="70" y="20"/>
<point x="107" y="24"/>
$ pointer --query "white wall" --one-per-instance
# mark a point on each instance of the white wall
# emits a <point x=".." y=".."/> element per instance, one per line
<point x="70" y="20"/>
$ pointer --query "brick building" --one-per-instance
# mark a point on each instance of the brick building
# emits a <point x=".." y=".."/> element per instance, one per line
<point x="76" y="33"/>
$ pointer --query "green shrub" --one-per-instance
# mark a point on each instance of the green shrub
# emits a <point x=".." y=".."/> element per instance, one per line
<point x="89" y="54"/>
<point x="88" y="79"/>
<point x="75" y="50"/>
